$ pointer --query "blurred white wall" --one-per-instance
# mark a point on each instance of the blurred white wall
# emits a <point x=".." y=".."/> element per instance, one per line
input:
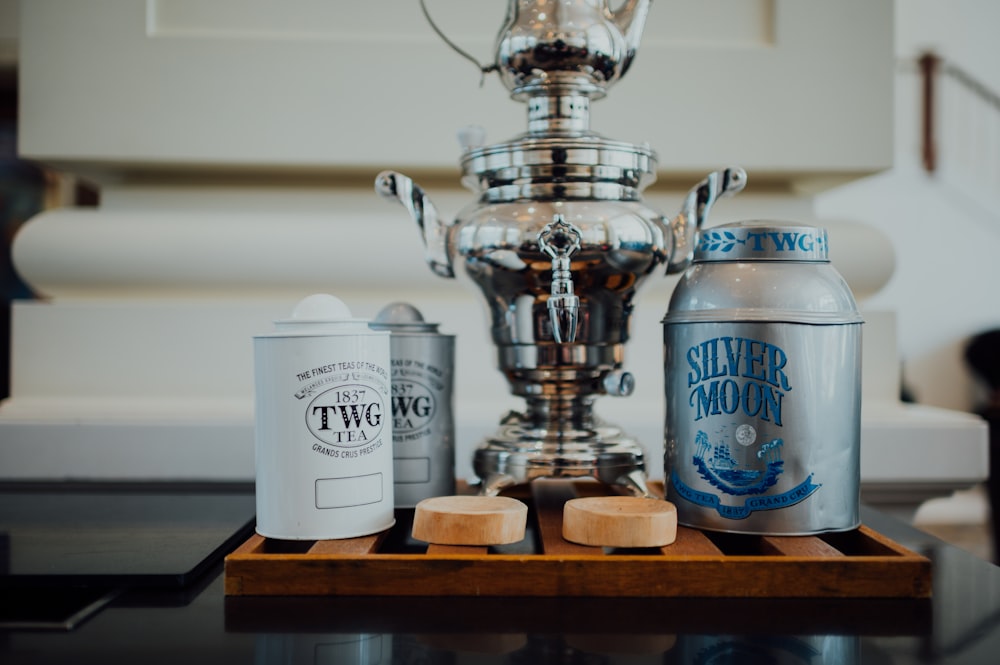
<point x="945" y="226"/>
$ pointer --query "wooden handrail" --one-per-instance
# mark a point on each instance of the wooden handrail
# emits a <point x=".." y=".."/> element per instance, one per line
<point x="928" y="63"/>
<point x="931" y="66"/>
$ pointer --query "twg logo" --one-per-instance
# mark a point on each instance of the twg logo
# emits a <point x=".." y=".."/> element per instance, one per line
<point x="348" y="415"/>
<point x="413" y="406"/>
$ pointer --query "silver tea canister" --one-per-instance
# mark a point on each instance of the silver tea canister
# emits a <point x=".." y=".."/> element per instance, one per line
<point x="423" y="362"/>
<point x="762" y="364"/>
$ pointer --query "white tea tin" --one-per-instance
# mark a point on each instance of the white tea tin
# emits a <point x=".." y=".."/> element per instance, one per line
<point x="323" y="426"/>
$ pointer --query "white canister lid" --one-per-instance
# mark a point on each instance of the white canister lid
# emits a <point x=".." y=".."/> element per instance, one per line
<point x="401" y="317"/>
<point x="320" y="314"/>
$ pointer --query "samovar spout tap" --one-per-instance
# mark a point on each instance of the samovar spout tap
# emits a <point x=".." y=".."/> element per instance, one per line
<point x="559" y="240"/>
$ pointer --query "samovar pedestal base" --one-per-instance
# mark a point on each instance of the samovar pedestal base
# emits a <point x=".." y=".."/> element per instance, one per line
<point x="519" y="454"/>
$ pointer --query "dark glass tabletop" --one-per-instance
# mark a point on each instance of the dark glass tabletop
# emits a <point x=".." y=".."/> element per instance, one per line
<point x="68" y="549"/>
<point x="198" y="623"/>
<point x="123" y="535"/>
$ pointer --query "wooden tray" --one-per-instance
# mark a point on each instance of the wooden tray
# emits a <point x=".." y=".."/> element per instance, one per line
<point x="854" y="564"/>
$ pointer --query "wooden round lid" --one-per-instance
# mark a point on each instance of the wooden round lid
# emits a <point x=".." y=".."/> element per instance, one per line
<point x="470" y="520"/>
<point x="620" y="521"/>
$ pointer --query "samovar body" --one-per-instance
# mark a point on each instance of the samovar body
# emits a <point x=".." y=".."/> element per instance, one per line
<point x="558" y="241"/>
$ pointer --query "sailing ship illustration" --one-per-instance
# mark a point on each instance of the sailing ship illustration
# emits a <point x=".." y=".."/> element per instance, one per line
<point x="717" y="465"/>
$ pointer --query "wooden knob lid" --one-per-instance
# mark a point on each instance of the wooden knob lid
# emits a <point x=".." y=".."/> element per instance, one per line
<point x="620" y="521"/>
<point x="470" y="520"/>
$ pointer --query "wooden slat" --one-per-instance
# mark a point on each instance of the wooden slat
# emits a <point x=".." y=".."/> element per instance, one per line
<point x="549" y="498"/>
<point x="691" y="542"/>
<point x="802" y="546"/>
<point x="349" y="546"/>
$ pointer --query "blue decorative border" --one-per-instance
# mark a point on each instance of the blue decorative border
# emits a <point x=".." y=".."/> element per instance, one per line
<point x="797" y="494"/>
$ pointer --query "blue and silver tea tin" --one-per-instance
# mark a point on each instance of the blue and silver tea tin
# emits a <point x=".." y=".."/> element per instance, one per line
<point x="762" y="365"/>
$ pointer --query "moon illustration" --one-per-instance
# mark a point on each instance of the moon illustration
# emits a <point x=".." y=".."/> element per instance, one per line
<point x="745" y="435"/>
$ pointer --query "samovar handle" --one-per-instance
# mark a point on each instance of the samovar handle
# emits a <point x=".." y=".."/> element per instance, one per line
<point x="559" y="240"/>
<point x="398" y="187"/>
<point x="694" y="212"/>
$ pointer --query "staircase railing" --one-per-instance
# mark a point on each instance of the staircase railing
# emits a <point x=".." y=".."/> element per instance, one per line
<point x="960" y="129"/>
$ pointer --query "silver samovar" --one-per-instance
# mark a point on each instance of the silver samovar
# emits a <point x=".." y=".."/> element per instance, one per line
<point x="559" y="240"/>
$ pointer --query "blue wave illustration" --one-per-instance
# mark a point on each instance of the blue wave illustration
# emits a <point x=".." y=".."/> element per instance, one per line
<point x="741" y="482"/>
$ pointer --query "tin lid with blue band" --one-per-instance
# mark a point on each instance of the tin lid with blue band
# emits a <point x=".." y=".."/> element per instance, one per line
<point x="762" y="240"/>
<point x="762" y="271"/>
